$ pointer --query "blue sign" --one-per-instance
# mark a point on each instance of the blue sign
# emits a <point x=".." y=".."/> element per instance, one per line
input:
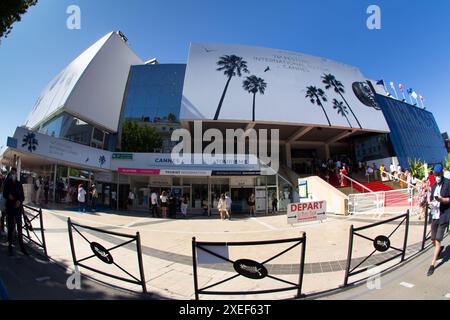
<point x="12" y="142"/>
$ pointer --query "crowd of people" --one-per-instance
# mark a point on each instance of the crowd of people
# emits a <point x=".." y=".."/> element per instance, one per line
<point x="166" y="204"/>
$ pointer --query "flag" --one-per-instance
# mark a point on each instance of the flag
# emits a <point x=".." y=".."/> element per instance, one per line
<point x="392" y="85"/>
<point x="400" y="86"/>
<point x="421" y="98"/>
<point x="410" y="91"/>
<point x="380" y="83"/>
<point x="414" y="95"/>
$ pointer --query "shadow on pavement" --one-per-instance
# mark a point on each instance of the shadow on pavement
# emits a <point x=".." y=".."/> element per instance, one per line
<point x="35" y="278"/>
<point x="445" y="256"/>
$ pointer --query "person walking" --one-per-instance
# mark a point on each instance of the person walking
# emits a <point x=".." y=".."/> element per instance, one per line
<point x="81" y="198"/>
<point x="130" y="200"/>
<point x="2" y="208"/>
<point x="184" y="205"/>
<point x="164" y="204"/>
<point x="14" y="195"/>
<point x="94" y="197"/>
<point x="274" y="203"/>
<point x="252" y="205"/>
<point x="222" y="206"/>
<point x="342" y="176"/>
<point x="59" y="191"/>
<point x="154" y="204"/>
<point x="38" y="189"/>
<point x="172" y="206"/>
<point x="424" y="192"/>
<point x="392" y="170"/>
<point x="46" y="189"/>
<point x="440" y="214"/>
<point x="228" y="202"/>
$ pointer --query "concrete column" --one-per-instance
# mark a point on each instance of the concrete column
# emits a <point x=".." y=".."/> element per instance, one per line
<point x="19" y="167"/>
<point x="117" y="192"/>
<point x="327" y="151"/>
<point x="288" y="155"/>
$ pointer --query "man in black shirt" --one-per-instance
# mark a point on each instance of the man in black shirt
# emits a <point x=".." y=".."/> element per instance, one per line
<point x="13" y="193"/>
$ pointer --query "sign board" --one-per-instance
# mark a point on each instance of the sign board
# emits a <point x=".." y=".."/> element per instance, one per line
<point x="104" y="177"/>
<point x="306" y="212"/>
<point x="303" y="188"/>
<point x="242" y="182"/>
<point x="12" y="142"/>
<point x="261" y="200"/>
<point x="30" y="142"/>
<point x="204" y="257"/>
<point x="123" y="156"/>
<point x="192" y="173"/>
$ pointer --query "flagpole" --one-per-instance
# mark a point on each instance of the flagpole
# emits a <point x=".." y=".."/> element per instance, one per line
<point x="395" y="91"/>
<point x="421" y="102"/>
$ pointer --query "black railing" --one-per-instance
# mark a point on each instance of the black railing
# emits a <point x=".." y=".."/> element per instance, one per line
<point x="381" y="243"/>
<point x="105" y="255"/>
<point x="33" y="227"/>
<point x="248" y="268"/>
<point x="427" y="230"/>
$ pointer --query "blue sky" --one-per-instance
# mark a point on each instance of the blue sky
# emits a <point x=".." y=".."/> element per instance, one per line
<point x="412" y="46"/>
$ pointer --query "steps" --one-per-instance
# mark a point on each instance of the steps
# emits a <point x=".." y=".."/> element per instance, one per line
<point x="377" y="186"/>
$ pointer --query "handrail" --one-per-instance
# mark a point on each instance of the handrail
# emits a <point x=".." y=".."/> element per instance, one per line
<point x="394" y="178"/>
<point x="357" y="183"/>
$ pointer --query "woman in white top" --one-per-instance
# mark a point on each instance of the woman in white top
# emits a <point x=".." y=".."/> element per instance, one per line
<point x="82" y="198"/>
<point x="184" y="205"/>
<point x="222" y="207"/>
<point x="163" y="199"/>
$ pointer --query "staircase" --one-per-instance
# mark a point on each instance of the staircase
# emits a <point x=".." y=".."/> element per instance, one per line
<point x="377" y="186"/>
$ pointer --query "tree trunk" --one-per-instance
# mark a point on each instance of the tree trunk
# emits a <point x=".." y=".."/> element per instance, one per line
<point x="254" y="98"/>
<point x="216" y="116"/>
<point x="342" y="96"/>
<point x="348" y="121"/>
<point x="321" y="105"/>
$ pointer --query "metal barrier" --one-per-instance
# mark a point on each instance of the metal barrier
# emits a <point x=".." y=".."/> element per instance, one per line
<point x="246" y="267"/>
<point x="105" y="255"/>
<point x="393" y="202"/>
<point x="381" y="243"/>
<point x="33" y="222"/>
<point x="427" y="231"/>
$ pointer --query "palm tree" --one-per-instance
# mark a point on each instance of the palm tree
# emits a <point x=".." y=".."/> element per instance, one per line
<point x="317" y="96"/>
<point x="30" y="141"/>
<point x="253" y="85"/>
<point x="231" y="66"/>
<point x="341" y="109"/>
<point x="330" y="81"/>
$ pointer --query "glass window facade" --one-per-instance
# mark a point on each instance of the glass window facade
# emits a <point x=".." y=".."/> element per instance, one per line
<point x="414" y="132"/>
<point x="154" y="93"/>
<point x="68" y="127"/>
<point x="373" y="147"/>
<point x="153" y="98"/>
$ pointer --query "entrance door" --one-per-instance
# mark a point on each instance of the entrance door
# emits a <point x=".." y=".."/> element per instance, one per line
<point x="239" y="196"/>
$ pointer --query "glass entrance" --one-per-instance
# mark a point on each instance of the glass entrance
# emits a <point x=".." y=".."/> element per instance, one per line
<point x="239" y="196"/>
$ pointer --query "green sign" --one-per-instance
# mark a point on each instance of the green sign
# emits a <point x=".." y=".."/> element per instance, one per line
<point x="122" y="156"/>
<point x="303" y="188"/>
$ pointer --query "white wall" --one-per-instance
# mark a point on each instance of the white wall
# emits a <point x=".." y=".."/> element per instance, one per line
<point x="91" y="86"/>
<point x="321" y="190"/>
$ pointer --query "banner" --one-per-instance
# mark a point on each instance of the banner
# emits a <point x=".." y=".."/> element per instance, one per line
<point x="242" y="83"/>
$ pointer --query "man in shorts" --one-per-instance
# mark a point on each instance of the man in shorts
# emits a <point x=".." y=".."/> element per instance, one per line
<point x="440" y="213"/>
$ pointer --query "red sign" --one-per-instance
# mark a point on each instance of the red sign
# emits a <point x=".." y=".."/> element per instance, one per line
<point x="153" y="172"/>
<point x="306" y="211"/>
